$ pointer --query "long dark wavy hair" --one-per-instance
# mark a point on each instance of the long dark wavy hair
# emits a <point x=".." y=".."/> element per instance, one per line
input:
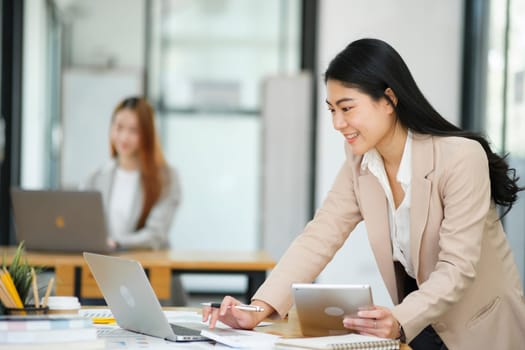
<point x="372" y="66"/>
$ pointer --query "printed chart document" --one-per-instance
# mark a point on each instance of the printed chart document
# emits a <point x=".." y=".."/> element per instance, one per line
<point x="120" y="339"/>
<point x="346" y="341"/>
<point x="237" y="338"/>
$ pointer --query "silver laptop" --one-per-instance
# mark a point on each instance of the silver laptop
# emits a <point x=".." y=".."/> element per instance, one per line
<point x="63" y="221"/>
<point x="133" y="302"/>
<point x="321" y="308"/>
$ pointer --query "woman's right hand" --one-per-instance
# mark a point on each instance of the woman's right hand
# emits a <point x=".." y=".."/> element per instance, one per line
<point x="233" y="317"/>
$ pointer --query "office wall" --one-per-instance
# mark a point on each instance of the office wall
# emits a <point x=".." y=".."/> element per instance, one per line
<point x="428" y="34"/>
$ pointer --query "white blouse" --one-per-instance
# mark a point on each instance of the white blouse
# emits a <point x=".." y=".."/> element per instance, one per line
<point x="399" y="219"/>
<point x="125" y="184"/>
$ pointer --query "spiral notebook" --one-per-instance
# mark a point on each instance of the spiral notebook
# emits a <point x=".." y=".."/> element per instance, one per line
<point x="347" y="341"/>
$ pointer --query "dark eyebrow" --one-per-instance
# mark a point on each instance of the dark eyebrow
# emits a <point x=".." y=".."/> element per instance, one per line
<point x="345" y="99"/>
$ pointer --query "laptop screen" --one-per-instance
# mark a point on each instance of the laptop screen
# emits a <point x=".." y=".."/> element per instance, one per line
<point x="69" y="221"/>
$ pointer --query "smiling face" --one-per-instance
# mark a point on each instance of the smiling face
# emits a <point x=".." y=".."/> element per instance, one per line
<point x="363" y="122"/>
<point x="125" y="136"/>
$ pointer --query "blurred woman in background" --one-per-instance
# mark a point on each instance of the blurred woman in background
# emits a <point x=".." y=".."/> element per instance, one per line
<point x="141" y="192"/>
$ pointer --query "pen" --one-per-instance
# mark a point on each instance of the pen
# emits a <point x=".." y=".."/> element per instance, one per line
<point x="103" y="320"/>
<point x="243" y="307"/>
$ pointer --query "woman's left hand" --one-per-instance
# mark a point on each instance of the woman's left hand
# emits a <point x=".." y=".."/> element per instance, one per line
<point x="378" y="322"/>
<point x="112" y="244"/>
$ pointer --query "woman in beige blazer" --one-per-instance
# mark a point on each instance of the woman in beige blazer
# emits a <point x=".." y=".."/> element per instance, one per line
<point x="427" y="192"/>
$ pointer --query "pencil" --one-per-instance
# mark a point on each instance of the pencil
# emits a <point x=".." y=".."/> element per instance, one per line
<point x="35" y="288"/>
<point x="4" y="295"/>
<point x="11" y="289"/>
<point x="48" y="291"/>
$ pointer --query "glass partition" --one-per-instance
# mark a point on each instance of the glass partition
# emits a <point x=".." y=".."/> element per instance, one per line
<point x="209" y="60"/>
<point x="213" y="55"/>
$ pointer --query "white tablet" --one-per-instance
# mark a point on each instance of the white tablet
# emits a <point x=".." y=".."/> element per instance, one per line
<point x="321" y="308"/>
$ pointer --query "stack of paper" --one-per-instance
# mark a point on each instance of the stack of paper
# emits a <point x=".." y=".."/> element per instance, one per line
<point x="237" y="338"/>
<point x="48" y="331"/>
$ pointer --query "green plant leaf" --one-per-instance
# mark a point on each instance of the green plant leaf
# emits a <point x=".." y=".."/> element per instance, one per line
<point x="20" y="271"/>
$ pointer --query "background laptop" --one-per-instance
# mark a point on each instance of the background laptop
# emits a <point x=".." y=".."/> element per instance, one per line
<point x="67" y="221"/>
<point x="133" y="302"/>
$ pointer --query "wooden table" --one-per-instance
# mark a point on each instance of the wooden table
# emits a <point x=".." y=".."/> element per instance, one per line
<point x="73" y="276"/>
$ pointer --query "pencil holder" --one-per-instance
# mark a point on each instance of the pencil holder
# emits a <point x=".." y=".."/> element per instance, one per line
<point x="17" y="280"/>
<point x="26" y="310"/>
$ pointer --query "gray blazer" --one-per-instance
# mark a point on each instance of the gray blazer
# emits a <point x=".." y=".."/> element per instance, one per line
<point x="154" y="234"/>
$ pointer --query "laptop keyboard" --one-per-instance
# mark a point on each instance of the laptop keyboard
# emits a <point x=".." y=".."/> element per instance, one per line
<point x="181" y="330"/>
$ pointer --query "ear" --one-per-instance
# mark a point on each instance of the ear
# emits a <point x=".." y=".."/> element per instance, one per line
<point x="391" y="95"/>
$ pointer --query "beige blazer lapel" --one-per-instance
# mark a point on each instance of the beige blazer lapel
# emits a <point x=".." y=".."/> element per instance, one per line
<point x="375" y="212"/>
<point x="422" y="166"/>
